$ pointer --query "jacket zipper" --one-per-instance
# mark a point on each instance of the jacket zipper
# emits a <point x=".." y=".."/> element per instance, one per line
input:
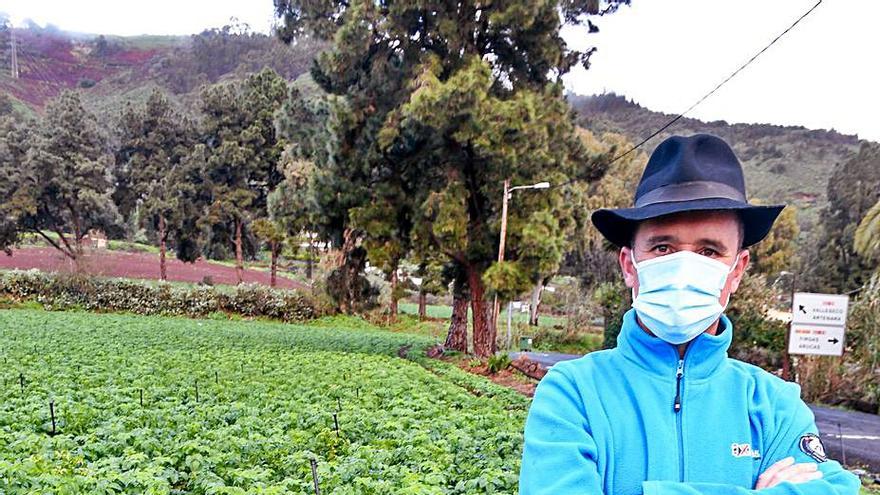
<point x="679" y="374"/>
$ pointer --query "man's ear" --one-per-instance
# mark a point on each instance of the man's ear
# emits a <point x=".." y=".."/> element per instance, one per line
<point x="740" y="270"/>
<point x="630" y="278"/>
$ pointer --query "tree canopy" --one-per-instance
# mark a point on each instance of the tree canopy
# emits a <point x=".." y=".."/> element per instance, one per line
<point x="433" y="108"/>
<point x="60" y="182"/>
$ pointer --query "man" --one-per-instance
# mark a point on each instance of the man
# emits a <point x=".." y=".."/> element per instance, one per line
<point x="667" y="412"/>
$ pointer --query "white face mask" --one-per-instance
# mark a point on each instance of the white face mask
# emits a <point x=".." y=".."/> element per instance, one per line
<point x="679" y="294"/>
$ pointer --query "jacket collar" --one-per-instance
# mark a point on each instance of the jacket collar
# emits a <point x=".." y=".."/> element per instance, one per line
<point x="704" y="355"/>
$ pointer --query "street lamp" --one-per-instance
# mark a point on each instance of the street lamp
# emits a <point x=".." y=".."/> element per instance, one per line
<point x="503" y="238"/>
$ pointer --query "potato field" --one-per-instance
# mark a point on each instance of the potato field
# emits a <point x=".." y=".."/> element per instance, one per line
<point x="108" y="403"/>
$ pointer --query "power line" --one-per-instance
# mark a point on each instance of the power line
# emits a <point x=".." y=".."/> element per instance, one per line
<point x="14" y="54"/>
<point x="703" y="98"/>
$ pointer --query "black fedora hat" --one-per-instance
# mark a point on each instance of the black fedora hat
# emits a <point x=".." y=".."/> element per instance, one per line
<point x="688" y="173"/>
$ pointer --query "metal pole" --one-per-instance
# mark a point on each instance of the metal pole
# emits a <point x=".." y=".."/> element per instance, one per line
<point x="786" y="358"/>
<point x="509" y="322"/>
<point x="496" y="307"/>
<point x="314" y="464"/>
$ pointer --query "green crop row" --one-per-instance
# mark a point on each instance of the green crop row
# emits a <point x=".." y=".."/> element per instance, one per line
<point x="162" y="405"/>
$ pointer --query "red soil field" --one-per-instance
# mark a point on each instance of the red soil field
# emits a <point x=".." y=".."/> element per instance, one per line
<point x="135" y="265"/>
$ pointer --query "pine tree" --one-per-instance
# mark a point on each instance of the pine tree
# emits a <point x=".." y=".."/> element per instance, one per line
<point x="64" y="184"/>
<point x="150" y="164"/>
<point x="437" y="105"/>
<point x="241" y="152"/>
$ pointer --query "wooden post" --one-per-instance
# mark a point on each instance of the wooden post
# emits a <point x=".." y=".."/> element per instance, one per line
<point x="496" y="307"/>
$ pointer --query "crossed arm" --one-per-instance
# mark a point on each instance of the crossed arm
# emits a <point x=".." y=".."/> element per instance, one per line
<point x="562" y="457"/>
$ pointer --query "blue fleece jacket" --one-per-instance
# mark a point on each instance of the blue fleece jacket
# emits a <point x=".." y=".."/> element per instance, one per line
<point x="622" y="422"/>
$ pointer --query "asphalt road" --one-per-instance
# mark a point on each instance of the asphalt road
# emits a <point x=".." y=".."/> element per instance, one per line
<point x="857" y="438"/>
<point x="847" y="435"/>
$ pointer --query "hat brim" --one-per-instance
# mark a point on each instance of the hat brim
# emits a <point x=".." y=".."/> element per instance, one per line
<point x="618" y="225"/>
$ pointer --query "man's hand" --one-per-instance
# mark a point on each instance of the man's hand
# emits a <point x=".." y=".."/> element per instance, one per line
<point x="787" y="470"/>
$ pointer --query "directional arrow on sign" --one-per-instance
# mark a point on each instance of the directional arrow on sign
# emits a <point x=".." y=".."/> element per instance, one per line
<point x="802" y="309"/>
<point x="834" y="340"/>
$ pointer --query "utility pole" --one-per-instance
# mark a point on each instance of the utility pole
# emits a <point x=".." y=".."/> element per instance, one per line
<point x="495" y="306"/>
<point x="501" y="244"/>
<point x="15" y="71"/>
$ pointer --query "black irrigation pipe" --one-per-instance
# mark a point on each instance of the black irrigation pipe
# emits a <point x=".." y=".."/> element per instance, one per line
<point x="336" y="424"/>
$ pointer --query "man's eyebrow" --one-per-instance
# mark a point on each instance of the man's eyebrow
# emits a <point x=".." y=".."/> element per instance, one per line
<point x="661" y="238"/>
<point x="666" y="238"/>
<point x="714" y="244"/>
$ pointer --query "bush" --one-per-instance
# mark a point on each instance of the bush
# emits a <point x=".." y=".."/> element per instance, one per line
<point x="757" y="339"/>
<point x="615" y="301"/>
<point x="60" y="291"/>
<point x="498" y="362"/>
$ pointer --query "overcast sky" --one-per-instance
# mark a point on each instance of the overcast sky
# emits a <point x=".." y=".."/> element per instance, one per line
<point x="663" y="54"/>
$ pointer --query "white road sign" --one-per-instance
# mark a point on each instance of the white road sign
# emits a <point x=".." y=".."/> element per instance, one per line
<point x="818" y="323"/>
<point x="815" y="339"/>
<point x="820" y="309"/>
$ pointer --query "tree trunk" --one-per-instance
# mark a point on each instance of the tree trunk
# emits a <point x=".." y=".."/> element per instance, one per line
<point x="392" y="305"/>
<point x="456" y="338"/>
<point x="536" y="302"/>
<point x="163" y="273"/>
<point x="239" y="256"/>
<point x="484" y="332"/>
<point x="423" y="303"/>
<point x="274" y="272"/>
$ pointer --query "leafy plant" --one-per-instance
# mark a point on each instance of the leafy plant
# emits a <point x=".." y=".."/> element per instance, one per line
<point x="500" y="361"/>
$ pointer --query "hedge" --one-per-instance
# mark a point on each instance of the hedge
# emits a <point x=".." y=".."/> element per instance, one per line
<point x="63" y="291"/>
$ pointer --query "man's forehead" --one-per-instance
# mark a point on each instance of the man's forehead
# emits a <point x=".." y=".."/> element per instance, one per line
<point x="698" y="227"/>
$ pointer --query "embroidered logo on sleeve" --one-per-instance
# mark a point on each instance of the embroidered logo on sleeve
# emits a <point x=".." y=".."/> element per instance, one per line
<point x="744" y="450"/>
<point x="811" y="445"/>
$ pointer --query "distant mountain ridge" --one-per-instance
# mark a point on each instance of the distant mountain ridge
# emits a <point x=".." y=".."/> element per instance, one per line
<point x="789" y="164"/>
<point x="782" y="163"/>
<point x="113" y="68"/>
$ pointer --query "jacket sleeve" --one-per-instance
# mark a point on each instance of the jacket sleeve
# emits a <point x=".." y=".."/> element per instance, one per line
<point x="792" y="419"/>
<point x="559" y="454"/>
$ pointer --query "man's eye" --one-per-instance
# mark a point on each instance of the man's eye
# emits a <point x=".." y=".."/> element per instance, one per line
<point x="660" y="249"/>
<point x="708" y="252"/>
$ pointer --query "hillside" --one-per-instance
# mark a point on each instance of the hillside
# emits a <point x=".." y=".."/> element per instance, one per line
<point x="791" y="164"/>
<point x="112" y="69"/>
<point x="782" y="163"/>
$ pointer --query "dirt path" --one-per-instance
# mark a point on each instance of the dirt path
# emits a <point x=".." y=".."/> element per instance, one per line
<point x="135" y="265"/>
